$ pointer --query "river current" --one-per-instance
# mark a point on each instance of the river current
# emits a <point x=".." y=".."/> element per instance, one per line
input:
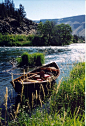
<point x="65" y="57"/>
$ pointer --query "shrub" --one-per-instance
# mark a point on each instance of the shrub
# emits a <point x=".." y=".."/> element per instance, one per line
<point x="37" y="41"/>
<point x="27" y="43"/>
<point x="30" y="37"/>
<point x="35" y="59"/>
<point x="38" y="58"/>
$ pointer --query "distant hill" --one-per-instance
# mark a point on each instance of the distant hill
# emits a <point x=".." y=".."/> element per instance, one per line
<point x="77" y="23"/>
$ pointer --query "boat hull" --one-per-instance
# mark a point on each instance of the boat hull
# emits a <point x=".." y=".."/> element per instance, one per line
<point x="28" y="87"/>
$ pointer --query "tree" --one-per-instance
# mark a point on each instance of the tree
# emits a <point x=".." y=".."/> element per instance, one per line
<point x="55" y="34"/>
<point x="63" y="33"/>
<point x="8" y="9"/>
<point x="46" y="30"/>
<point x="75" y="38"/>
<point x="21" y="11"/>
<point x="40" y="28"/>
<point x="12" y="8"/>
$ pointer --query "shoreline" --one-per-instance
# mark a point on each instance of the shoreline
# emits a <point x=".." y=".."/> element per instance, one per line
<point x="40" y="46"/>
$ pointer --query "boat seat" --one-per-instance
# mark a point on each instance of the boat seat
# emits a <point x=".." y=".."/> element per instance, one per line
<point x="39" y="77"/>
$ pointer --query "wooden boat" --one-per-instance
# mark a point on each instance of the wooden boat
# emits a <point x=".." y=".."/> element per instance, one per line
<point x="42" y="77"/>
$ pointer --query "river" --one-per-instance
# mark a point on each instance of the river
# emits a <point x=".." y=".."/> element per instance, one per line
<point x="64" y="56"/>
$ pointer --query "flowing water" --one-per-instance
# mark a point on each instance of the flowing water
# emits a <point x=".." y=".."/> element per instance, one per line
<point x="64" y="56"/>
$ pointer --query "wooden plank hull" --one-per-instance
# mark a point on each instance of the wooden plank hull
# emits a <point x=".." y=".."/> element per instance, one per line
<point x="32" y="84"/>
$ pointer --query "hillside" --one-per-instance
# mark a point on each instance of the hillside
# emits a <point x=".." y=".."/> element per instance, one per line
<point x="12" y="26"/>
<point x="76" y="22"/>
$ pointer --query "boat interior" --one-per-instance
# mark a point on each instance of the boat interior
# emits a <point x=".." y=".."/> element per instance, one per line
<point x="39" y="75"/>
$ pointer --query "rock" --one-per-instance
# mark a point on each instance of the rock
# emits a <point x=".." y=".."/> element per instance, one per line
<point x="14" y="23"/>
<point x="12" y="26"/>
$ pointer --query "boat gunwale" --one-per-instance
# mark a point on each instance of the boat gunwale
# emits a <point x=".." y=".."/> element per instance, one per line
<point x="39" y="82"/>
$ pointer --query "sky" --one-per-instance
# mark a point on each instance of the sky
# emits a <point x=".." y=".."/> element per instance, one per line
<point x="51" y="9"/>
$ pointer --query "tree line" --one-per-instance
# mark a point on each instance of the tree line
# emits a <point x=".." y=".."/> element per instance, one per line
<point x="50" y="33"/>
<point x="36" y="40"/>
<point x="7" y="9"/>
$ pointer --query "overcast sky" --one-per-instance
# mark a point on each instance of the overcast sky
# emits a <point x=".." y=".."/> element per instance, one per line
<point x="51" y="9"/>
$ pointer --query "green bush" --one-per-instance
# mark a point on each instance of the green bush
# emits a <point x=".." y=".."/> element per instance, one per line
<point x="35" y="59"/>
<point x="37" y="41"/>
<point x="30" y="37"/>
<point x="27" y="43"/>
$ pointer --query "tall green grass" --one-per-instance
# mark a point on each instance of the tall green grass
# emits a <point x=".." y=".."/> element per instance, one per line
<point x="35" y="59"/>
<point x="65" y="107"/>
<point x="16" y="40"/>
<point x="71" y="93"/>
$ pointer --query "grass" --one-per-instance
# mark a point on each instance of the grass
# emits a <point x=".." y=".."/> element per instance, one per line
<point x="65" y="107"/>
<point x="71" y="93"/>
<point x="16" y="40"/>
<point x="35" y="59"/>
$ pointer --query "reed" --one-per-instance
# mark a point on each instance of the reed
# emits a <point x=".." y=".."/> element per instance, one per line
<point x="17" y="110"/>
<point x="58" y="86"/>
<point x="36" y="95"/>
<point x="77" y="112"/>
<point x="64" y="118"/>
<point x="22" y="91"/>
<point x="6" y="99"/>
<point x="32" y="100"/>
<point x="40" y="100"/>
<point x="43" y="90"/>
<point x="13" y="80"/>
<point x="47" y="88"/>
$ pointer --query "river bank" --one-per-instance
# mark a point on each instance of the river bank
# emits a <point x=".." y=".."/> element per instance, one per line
<point x="66" y="105"/>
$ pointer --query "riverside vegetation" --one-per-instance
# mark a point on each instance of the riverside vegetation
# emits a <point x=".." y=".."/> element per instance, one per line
<point x="35" y="59"/>
<point x="33" y="40"/>
<point x="65" y="107"/>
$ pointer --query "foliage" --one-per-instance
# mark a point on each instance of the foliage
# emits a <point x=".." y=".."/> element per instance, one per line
<point x="75" y="38"/>
<point x="42" y="118"/>
<point x="37" y="41"/>
<point x="16" y="40"/>
<point x="7" y="9"/>
<point x="35" y="59"/>
<point x="32" y="40"/>
<point x="56" y="34"/>
<point x="63" y="34"/>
